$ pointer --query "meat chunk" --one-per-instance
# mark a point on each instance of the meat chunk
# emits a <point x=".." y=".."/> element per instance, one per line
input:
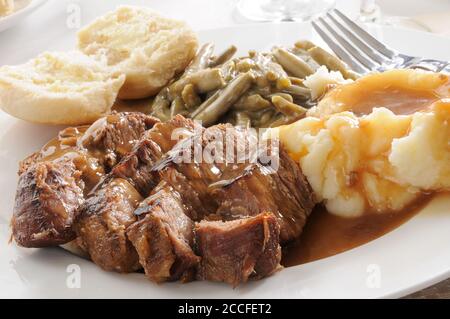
<point x="102" y="222"/>
<point x="245" y="185"/>
<point x="284" y="191"/>
<point x="163" y="237"/>
<point x="113" y="136"/>
<point x="235" y="251"/>
<point x="54" y="181"/>
<point x="47" y="198"/>
<point x="137" y="166"/>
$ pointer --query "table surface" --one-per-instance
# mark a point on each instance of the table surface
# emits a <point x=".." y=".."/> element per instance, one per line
<point x="200" y="14"/>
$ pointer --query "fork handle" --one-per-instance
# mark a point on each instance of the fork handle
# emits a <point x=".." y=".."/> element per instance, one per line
<point x="431" y="65"/>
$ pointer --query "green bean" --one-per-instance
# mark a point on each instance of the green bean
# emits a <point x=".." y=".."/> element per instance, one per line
<point x="286" y="107"/>
<point x="272" y="70"/>
<point x="211" y="97"/>
<point x="223" y="57"/>
<point x="228" y="70"/>
<point x="177" y="107"/>
<point x="261" y="81"/>
<point x="285" y="96"/>
<point x="253" y="102"/>
<point x="160" y="106"/>
<point x="292" y="63"/>
<point x="298" y="91"/>
<point x="204" y="81"/>
<point x="296" y="81"/>
<point x="227" y="97"/>
<point x="242" y="119"/>
<point x="190" y="97"/>
<point x="281" y="119"/>
<point x="202" y="59"/>
<point x="262" y="118"/>
<point x="322" y="57"/>
<point x="245" y="65"/>
<point x="304" y="45"/>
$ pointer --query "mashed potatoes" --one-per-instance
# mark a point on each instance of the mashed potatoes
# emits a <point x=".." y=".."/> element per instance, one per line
<point x="375" y="162"/>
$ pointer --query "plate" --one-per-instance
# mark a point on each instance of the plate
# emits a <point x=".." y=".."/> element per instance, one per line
<point x="408" y="259"/>
<point x="21" y="10"/>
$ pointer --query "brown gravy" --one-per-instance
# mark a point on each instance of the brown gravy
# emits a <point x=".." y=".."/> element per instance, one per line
<point x="400" y="101"/>
<point x="66" y="144"/>
<point x="326" y="235"/>
<point x="141" y="105"/>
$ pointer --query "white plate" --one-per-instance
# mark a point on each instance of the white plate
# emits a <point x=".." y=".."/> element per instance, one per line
<point x="410" y="258"/>
<point x="22" y="9"/>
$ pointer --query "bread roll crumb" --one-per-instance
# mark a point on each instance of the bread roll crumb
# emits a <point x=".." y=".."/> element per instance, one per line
<point x="148" y="48"/>
<point x="6" y="7"/>
<point x="59" y="88"/>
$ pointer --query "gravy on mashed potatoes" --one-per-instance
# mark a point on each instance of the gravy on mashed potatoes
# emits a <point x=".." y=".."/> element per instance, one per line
<point x="394" y="147"/>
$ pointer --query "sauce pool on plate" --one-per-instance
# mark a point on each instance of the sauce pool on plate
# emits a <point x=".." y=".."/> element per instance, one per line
<point x="327" y="235"/>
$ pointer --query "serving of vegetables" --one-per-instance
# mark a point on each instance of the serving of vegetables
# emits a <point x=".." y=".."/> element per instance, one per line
<point x="258" y="90"/>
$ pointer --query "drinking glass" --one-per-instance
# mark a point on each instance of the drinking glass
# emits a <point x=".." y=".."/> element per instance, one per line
<point x="283" y="10"/>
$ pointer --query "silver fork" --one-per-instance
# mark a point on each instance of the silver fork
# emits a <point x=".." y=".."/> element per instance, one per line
<point x="362" y="52"/>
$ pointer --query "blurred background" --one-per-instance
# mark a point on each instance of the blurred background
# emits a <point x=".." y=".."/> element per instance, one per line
<point x="62" y="18"/>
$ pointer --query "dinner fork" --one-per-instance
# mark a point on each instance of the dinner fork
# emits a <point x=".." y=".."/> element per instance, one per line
<point x="362" y="52"/>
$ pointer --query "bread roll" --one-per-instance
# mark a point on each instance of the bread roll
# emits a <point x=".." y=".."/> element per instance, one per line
<point x="6" y="7"/>
<point x="59" y="88"/>
<point x="148" y="48"/>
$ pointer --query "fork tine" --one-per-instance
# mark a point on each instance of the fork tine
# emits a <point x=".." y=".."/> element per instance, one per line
<point x="357" y="42"/>
<point x="349" y="47"/>
<point x="341" y="53"/>
<point x="367" y="37"/>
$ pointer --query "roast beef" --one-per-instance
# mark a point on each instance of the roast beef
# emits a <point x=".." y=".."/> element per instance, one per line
<point x="47" y="198"/>
<point x="245" y="186"/>
<point x="102" y="222"/>
<point x="163" y="236"/>
<point x="53" y="182"/>
<point x="234" y="251"/>
<point x="174" y="198"/>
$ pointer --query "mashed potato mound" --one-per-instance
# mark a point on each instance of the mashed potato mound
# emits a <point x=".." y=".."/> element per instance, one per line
<point x="378" y="162"/>
<point x="320" y="81"/>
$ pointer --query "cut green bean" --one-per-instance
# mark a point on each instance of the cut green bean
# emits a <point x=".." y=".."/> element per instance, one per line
<point x="224" y="56"/>
<point x="253" y="102"/>
<point x="204" y="81"/>
<point x="281" y="119"/>
<point x="272" y="70"/>
<point x="190" y="96"/>
<point x="322" y="57"/>
<point x="245" y="65"/>
<point x="304" y="45"/>
<point x="202" y="59"/>
<point x="177" y="107"/>
<point x="296" y="81"/>
<point x="292" y="63"/>
<point x="298" y="91"/>
<point x="160" y="106"/>
<point x="285" y="96"/>
<point x="286" y="107"/>
<point x="227" y="97"/>
<point x="242" y="119"/>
